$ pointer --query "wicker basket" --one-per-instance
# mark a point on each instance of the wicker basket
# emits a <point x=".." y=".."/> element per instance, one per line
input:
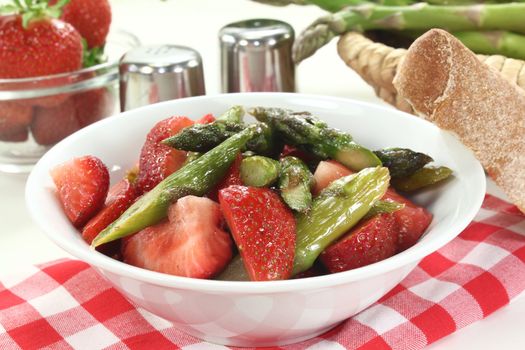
<point x="377" y="64"/>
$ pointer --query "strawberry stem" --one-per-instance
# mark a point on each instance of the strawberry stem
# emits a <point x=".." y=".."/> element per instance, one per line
<point x="34" y="9"/>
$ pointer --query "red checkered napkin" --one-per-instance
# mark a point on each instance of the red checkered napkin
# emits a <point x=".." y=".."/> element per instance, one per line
<point x="65" y="304"/>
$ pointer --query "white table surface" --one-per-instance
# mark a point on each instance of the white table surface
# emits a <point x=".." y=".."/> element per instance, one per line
<point x="195" y="23"/>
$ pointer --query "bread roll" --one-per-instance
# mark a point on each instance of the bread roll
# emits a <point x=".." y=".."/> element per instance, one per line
<point x="446" y="84"/>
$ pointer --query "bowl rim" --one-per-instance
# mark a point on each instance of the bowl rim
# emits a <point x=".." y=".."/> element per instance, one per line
<point x="105" y="263"/>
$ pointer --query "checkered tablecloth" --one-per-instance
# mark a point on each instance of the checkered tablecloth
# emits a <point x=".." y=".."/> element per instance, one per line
<point x="65" y="304"/>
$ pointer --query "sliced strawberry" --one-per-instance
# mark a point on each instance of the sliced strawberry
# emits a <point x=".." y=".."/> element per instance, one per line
<point x="157" y="161"/>
<point x="51" y="125"/>
<point x="207" y="119"/>
<point x="232" y="177"/>
<point x="14" y="121"/>
<point x="93" y="105"/>
<point x="328" y="171"/>
<point x="82" y="185"/>
<point x="412" y="221"/>
<point x="119" y="198"/>
<point x="370" y="241"/>
<point x="263" y="228"/>
<point x="190" y="243"/>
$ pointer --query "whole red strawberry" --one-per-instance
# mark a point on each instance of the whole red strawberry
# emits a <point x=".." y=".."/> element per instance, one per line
<point x="42" y="46"/>
<point x="91" y="18"/>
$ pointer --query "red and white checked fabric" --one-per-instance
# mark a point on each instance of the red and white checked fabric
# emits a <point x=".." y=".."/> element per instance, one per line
<point x="65" y="304"/>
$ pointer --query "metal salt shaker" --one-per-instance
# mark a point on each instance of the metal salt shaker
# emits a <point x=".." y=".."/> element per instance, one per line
<point x="151" y="74"/>
<point x="256" y="55"/>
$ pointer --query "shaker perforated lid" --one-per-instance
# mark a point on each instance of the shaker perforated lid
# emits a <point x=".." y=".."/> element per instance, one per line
<point x="256" y="55"/>
<point x="151" y="74"/>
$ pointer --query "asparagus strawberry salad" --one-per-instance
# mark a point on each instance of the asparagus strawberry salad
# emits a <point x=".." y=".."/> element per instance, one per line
<point x="285" y="197"/>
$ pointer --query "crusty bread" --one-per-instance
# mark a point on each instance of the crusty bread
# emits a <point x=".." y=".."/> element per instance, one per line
<point x="446" y="84"/>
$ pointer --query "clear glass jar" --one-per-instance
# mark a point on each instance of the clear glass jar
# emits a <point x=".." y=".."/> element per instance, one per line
<point x="36" y="113"/>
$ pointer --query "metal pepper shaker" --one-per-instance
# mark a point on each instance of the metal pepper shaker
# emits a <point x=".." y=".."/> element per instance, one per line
<point x="151" y="74"/>
<point x="256" y="55"/>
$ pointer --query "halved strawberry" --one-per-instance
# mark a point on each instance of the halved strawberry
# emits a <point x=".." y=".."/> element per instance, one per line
<point x="119" y="198"/>
<point x="263" y="228"/>
<point x="328" y="171"/>
<point x="82" y="185"/>
<point x="371" y="241"/>
<point x="412" y="221"/>
<point x="190" y="243"/>
<point x="207" y="119"/>
<point x="14" y="121"/>
<point x="157" y="161"/>
<point x="51" y="125"/>
<point x="232" y="177"/>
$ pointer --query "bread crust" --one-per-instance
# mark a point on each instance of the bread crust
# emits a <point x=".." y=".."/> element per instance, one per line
<point x="446" y="84"/>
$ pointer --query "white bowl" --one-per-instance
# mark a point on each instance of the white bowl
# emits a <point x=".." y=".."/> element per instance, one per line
<point x="263" y="313"/>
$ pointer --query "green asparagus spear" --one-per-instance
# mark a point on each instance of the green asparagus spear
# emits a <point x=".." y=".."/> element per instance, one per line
<point x="309" y="133"/>
<point x="195" y="178"/>
<point x="295" y="184"/>
<point x="191" y="156"/>
<point x="267" y="143"/>
<point x="337" y="209"/>
<point x="259" y="171"/>
<point x="402" y="162"/>
<point x="382" y="207"/>
<point x="494" y="43"/>
<point x="203" y="137"/>
<point x="487" y="42"/>
<point x="338" y="5"/>
<point x="420" y="16"/>
<point x="233" y="115"/>
<point x="422" y="178"/>
<point x="234" y="271"/>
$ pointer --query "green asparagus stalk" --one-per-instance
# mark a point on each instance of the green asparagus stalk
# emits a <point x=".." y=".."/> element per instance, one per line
<point x="295" y="184"/>
<point x="338" y="5"/>
<point x="191" y="156"/>
<point x="234" y="114"/>
<point x="337" y="209"/>
<point x="420" y="16"/>
<point x="424" y="177"/>
<point x="203" y="137"/>
<point x="383" y="207"/>
<point x="494" y="43"/>
<point x="259" y="171"/>
<point x="402" y="162"/>
<point x="314" y="136"/>
<point x="195" y="178"/>
<point x="267" y="143"/>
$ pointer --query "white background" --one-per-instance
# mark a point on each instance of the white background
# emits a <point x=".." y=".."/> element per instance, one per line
<point x="195" y="23"/>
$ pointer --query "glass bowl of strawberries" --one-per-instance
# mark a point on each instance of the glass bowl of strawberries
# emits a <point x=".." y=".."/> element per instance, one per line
<point x="58" y="74"/>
